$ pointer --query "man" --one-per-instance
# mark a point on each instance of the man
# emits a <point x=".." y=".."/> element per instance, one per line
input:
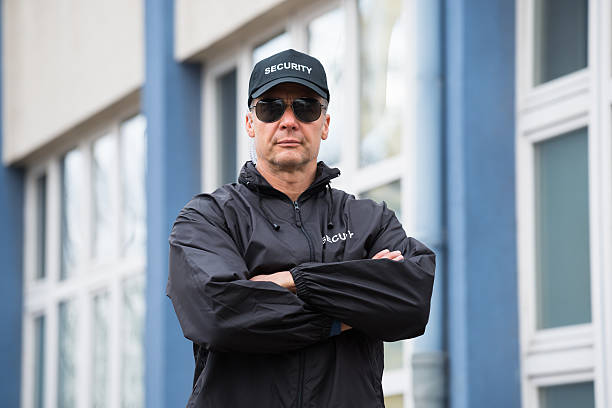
<point x="285" y="286"/>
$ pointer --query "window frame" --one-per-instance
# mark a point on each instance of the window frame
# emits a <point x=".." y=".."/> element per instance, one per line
<point x="575" y="353"/>
<point x="92" y="277"/>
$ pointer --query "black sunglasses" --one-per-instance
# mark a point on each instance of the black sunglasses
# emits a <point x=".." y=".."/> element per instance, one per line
<point x="272" y="109"/>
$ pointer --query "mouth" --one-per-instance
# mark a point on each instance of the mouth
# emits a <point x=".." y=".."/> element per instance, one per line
<point x="289" y="143"/>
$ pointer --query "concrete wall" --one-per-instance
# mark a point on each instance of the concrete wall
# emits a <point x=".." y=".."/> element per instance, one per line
<point x="64" y="61"/>
<point x="199" y="26"/>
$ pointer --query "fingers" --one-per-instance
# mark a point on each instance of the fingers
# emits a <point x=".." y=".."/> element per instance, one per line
<point x="380" y="254"/>
<point x="392" y="255"/>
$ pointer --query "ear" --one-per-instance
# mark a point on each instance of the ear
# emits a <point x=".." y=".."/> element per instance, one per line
<point x="249" y="124"/>
<point x="325" y="131"/>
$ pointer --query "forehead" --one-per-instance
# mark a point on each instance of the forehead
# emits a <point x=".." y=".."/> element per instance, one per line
<point x="289" y="90"/>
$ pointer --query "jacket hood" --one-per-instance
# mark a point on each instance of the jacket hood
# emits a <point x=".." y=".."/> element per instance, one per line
<point x="252" y="179"/>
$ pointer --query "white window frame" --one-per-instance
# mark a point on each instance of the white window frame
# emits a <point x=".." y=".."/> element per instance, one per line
<point x="583" y="98"/>
<point x="354" y="178"/>
<point x="43" y="296"/>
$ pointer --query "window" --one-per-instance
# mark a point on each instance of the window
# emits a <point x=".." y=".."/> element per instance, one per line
<point x="567" y="395"/>
<point x="564" y="174"/>
<point x="382" y="78"/>
<point x="562" y="231"/>
<point x="84" y="286"/>
<point x="368" y="79"/>
<point x="561" y="38"/>
<point x="326" y="40"/>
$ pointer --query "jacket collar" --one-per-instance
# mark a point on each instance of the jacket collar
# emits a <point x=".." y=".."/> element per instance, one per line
<point x="251" y="178"/>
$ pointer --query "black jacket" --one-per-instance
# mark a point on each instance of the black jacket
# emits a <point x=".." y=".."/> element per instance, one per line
<point x="256" y="344"/>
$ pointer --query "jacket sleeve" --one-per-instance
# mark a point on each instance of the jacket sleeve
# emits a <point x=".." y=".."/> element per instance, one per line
<point x="388" y="300"/>
<point x="218" y="306"/>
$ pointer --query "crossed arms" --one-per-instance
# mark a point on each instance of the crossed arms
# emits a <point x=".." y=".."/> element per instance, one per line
<point x="217" y="305"/>
<point x="285" y="279"/>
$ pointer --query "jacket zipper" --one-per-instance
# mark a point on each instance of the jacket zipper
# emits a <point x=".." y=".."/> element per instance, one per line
<point x="298" y="221"/>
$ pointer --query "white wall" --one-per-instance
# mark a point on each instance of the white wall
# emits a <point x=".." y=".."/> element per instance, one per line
<point x="63" y="62"/>
<point x="198" y="25"/>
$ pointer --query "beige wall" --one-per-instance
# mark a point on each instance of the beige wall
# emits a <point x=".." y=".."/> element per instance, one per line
<point x="198" y="26"/>
<point x="64" y="61"/>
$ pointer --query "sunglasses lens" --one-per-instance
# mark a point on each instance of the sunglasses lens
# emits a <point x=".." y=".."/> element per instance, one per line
<point x="270" y="110"/>
<point x="307" y="109"/>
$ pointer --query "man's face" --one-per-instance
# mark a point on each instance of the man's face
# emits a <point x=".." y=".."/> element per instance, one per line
<point x="288" y="143"/>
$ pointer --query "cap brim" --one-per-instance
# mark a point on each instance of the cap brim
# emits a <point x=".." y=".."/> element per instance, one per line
<point x="300" y="81"/>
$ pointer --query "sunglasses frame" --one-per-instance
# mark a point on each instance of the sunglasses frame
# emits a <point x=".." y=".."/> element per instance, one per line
<point x="285" y="105"/>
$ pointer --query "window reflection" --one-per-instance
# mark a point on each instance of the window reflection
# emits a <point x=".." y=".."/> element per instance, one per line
<point x="561" y="38"/>
<point x="390" y="194"/>
<point x="382" y="85"/>
<point x="394" y="355"/>
<point x="227" y="140"/>
<point x="100" y="355"/>
<point x="66" y="375"/>
<point x="39" y="361"/>
<point x="562" y="234"/>
<point x="276" y="44"/>
<point x="326" y="42"/>
<point x="394" y="401"/>
<point x="103" y="163"/>
<point x="41" y="223"/>
<point x="567" y="396"/>
<point x="132" y="343"/>
<point x="72" y="191"/>
<point x="133" y="168"/>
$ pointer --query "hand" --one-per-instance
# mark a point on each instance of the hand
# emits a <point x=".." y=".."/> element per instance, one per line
<point x="282" y="278"/>
<point x="386" y="254"/>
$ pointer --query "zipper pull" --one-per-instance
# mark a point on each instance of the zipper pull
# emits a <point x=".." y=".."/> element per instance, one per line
<point x="298" y="219"/>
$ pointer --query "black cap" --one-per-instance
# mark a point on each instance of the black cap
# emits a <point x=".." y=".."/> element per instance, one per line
<point x="288" y="66"/>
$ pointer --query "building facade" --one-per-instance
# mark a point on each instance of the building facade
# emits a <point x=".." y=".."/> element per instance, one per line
<point x="485" y="124"/>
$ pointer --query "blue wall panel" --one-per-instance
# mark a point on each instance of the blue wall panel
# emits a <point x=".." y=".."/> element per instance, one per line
<point x="171" y="101"/>
<point x="11" y="243"/>
<point x="482" y="267"/>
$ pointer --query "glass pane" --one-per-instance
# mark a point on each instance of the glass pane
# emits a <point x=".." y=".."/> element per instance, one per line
<point x="326" y="42"/>
<point x="394" y="401"/>
<point x="394" y="355"/>
<point x="567" y="396"/>
<point x="133" y="168"/>
<point x="104" y="163"/>
<point x="41" y="222"/>
<point x="276" y="44"/>
<point x="562" y="235"/>
<point x="382" y="81"/>
<point x="72" y="191"/>
<point x="66" y="373"/>
<point x="226" y="127"/>
<point x="132" y="343"/>
<point x="39" y="361"/>
<point x="561" y="38"/>
<point x="389" y="193"/>
<point x="100" y="355"/>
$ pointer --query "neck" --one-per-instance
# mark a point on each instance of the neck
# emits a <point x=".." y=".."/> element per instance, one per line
<point x="292" y="182"/>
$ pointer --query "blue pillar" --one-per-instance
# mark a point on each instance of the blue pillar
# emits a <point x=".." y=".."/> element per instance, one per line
<point x="480" y="185"/>
<point x="429" y="358"/>
<point x="171" y="101"/>
<point x="11" y="254"/>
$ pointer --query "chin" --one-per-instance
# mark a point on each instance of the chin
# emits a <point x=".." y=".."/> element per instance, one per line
<point x="289" y="161"/>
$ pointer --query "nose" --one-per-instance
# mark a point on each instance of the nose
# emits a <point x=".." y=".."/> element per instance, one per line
<point x="288" y="120"/>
